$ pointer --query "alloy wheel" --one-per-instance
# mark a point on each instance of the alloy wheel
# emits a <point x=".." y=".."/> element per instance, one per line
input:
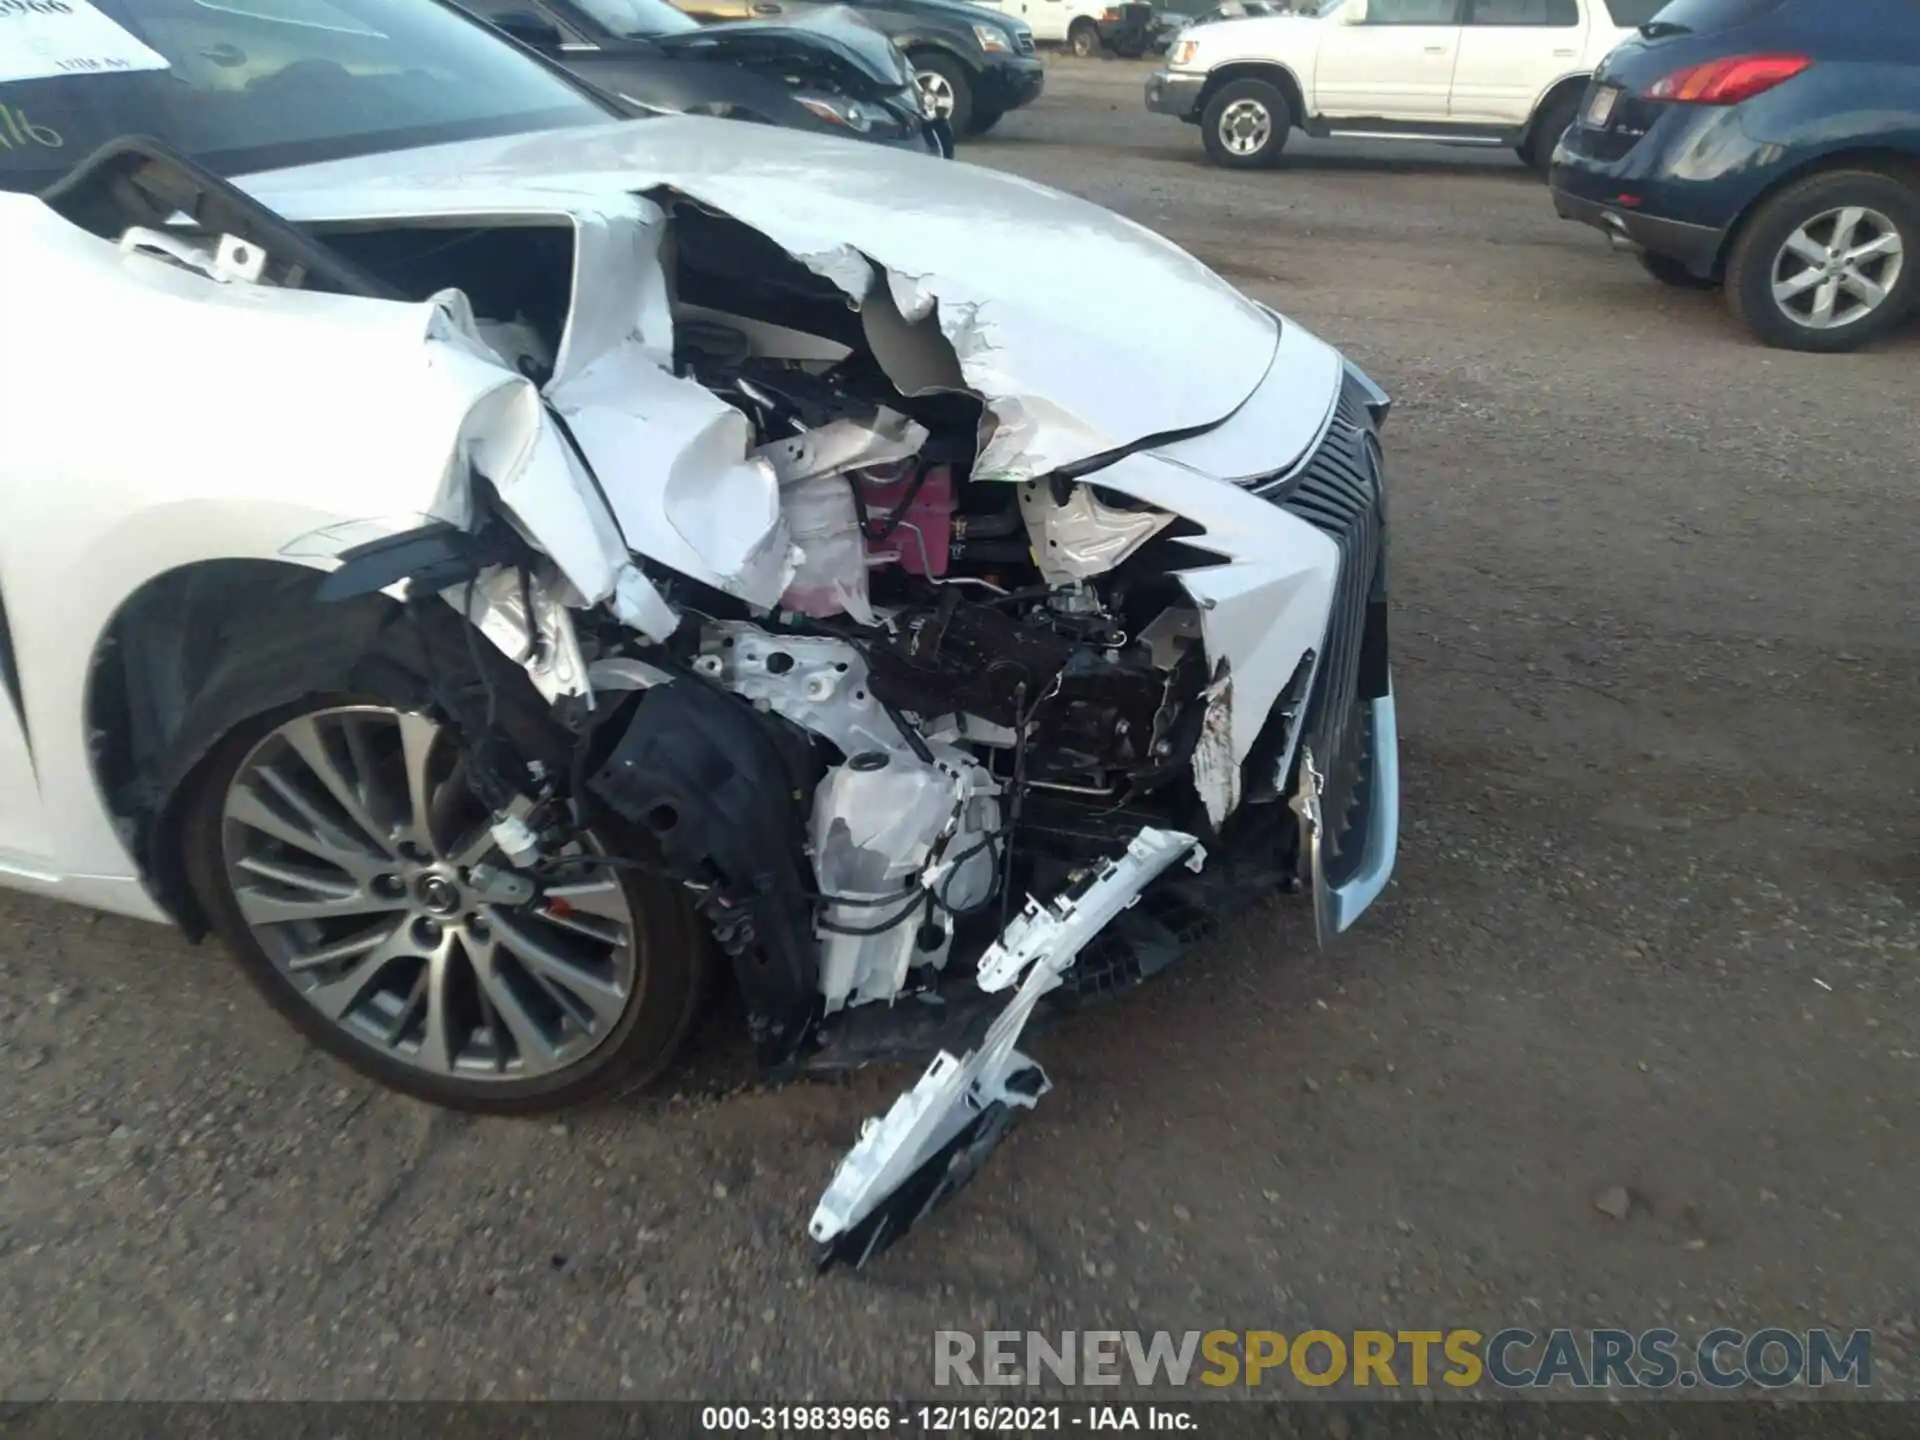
<point x="1245" y="127"/>
<point x="349" y="838"/>
<point x="1838" y="268"/>
<point x="936" y="94"/>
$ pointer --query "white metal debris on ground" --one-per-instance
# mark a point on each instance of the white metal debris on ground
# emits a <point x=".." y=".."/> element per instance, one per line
<point x="1043" y="941"/>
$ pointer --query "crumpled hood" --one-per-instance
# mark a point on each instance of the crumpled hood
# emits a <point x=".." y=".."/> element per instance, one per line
<point x="833" y="40"/>
<point x="1084" y="332"/>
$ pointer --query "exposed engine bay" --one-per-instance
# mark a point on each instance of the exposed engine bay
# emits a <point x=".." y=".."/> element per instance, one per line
<point x="941" y="731"/>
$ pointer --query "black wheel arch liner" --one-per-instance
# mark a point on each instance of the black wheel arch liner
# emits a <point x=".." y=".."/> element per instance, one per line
<point x="725" y="792"/>
<point x="295" y="650"/>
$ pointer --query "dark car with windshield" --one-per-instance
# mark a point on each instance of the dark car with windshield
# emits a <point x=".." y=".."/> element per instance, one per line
<point x="249" y="85"/>
<point x="1770" y="147"/>
<point x="828" y="70"/>
<point x="973" y="64"/>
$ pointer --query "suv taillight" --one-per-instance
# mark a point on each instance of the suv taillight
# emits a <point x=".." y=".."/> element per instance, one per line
<point x="1728" y="81"/>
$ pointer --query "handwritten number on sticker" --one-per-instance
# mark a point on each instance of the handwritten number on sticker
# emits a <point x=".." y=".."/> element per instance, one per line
<point x="34" y="7"/>
<point x="15" y="128"/>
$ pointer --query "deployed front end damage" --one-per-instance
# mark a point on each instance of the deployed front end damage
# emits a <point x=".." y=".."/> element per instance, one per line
<point x="879" y="598"/>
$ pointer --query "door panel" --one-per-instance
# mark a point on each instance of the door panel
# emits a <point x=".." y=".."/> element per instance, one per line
<point x="1395" y="65"/>
<point x="23" y="829"/>
<point x="1050" y="19"/>
<point x="1510" y="52"/>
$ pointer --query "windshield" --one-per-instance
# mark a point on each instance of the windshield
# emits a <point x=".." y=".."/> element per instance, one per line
<point x="638" y="19"/>
<point x="247" y="85"/>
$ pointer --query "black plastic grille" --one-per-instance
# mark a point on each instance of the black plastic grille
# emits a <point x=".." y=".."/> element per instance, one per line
<point x="1338" y="491"/>
<point x="1023" y="42"/>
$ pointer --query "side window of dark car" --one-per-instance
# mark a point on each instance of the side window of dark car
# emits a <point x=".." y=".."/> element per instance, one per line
<point x="1413" y="12"/>
<point x="1564" y="13"/>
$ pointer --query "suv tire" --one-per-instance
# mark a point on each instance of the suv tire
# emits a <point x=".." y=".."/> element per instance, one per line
<point x="1860" y="230"/>
<point x="1556" y="117"/>
<point x="1083" y="39"/>
<point x="1245" y="125"/>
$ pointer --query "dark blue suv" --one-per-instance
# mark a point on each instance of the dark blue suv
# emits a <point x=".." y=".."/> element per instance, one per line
<point x="1770" y="146"/>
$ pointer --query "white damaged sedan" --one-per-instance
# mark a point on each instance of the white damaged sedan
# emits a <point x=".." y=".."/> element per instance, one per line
<point x="500" y="569"/>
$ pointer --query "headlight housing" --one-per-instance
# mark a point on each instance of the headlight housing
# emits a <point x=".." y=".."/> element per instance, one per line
<point x="835" y="110"/>
<point x="1183" y="51"/>
<point x="992" y="37"/>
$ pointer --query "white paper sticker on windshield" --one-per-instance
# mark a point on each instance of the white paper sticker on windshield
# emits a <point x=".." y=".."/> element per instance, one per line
<point x="42" y="38"/>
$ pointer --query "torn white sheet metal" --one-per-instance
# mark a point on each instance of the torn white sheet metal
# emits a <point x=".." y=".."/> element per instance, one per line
<point x="517" y="342"/>
<point x="886" y="826"/>
<point x="1266" y="605"/>
<point x="673" y="459"/>
<point x="1082" y="538"/>
<point x="1044" y="941"/>
<point x="819" y="684"/>
<point x="542" y="643"/>
<point x="843" y="445"/>
<point x="509" y="439"/>
<point x="619" y="287"/>
<point x="1216" y="773"/>
<point x="670" y="457"/>
<point x="1040" y="294"/>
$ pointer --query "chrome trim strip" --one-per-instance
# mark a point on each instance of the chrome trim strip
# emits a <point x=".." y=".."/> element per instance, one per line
<point x="1346" y="903"/>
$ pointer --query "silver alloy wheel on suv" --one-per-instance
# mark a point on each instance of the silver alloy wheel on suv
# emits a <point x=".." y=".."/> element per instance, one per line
<point x="1245" y="127"/>
<point x="936" y="94"/>
<point x="349" y="844"/>
<point x="1244" y="123"/>
<point x="1838" y="268"/>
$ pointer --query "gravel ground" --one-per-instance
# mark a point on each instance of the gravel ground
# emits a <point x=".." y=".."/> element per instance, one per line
<point x="1654" y="928"/>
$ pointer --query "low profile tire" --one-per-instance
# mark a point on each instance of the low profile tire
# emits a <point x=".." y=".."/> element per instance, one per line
<point x="1669" y="271"/>
<point x="1245" y="125"/>
<point x="984" y="120"/>
<point x="329" y="844"/>
<point x="1556" y="117"/>
<point x="1083" y="39"/>
<point x="1829" y="264"/>
<point x="946" y="89"/>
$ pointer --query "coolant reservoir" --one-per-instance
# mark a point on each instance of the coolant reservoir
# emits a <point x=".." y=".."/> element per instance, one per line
<point x="920" y="539"/>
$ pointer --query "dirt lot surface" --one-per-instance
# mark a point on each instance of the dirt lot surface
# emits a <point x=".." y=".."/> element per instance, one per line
<point x="1654" y="927"/>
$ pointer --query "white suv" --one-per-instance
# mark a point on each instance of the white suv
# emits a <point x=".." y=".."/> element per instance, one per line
<point x="1466" y="72"/>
